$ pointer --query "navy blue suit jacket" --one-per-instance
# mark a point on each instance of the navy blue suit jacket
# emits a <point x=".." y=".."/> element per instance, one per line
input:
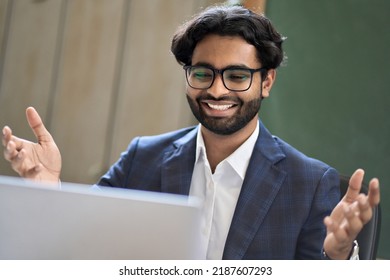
<point x="283" y="201"/>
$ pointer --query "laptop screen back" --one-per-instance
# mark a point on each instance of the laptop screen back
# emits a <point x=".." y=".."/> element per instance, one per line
<point x="80" y="222"/>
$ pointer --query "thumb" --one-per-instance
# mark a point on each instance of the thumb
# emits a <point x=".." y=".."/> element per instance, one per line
<point x="36" y="124"/>
<point x="355" y="184"/>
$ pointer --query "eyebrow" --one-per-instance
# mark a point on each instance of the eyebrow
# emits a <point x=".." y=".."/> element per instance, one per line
<point x="228" y="66"/>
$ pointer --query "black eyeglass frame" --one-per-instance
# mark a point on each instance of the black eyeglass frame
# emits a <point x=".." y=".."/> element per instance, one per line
<point x="221" y="71"/>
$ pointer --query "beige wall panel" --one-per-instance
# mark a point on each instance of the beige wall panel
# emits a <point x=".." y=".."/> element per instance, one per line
<point x="152" y="90"/>
<point x="29" y="53"/>
<point x="5" y="169"/>
<point x="86" y="77"/>
<point x="4" y="4"/>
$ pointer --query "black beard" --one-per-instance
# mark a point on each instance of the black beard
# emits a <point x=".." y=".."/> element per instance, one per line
<point x="225" y="126"/>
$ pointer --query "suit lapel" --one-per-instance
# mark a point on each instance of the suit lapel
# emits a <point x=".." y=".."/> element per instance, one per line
<point x="262" y="182"/>
<point x="178" y="165"/>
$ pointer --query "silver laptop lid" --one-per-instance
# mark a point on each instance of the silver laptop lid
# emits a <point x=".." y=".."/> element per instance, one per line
<point x="80" y="222"/>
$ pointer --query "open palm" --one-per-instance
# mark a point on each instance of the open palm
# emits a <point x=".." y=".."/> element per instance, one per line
<point x="38" y="161"/>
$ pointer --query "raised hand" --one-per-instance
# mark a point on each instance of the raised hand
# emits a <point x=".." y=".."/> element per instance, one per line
<point x="39" y="161"/>
<point x="349" y="216"/>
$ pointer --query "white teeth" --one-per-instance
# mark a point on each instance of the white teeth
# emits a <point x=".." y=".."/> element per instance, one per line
<point x="219" y="107"/>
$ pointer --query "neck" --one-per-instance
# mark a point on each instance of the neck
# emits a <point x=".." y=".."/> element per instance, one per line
<point x="219" y="147"/>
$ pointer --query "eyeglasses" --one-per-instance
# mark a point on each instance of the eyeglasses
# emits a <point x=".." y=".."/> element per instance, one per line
<point x="233" y="78"/>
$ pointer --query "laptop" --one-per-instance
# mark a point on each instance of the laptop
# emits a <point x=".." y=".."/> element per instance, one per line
<point x="80" y="222"/>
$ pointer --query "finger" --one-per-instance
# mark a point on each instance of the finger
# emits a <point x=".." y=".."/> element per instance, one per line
<point x="17" y="160"/>
<point x="353" y="224"/>
<point x="338" y="212"/>
<point x="19" y="143"/>
<point x="329" y="224"/>
<point x="373" y="192"/>
<point x="22" y="167"/>
<point x="37" y="126"/>
<point x="364" y="208"/>
<point x="355" y="184"/>
<point x="8" y="137"/>
<point x="7" y="133"/>
<point x="10" y="151"/>
<point x="334" y="227"/>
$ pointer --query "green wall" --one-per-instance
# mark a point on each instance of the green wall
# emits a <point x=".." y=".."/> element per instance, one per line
<point x="332" y="98"/>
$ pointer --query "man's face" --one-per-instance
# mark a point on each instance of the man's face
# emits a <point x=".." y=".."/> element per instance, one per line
<point x="218" y="109"/>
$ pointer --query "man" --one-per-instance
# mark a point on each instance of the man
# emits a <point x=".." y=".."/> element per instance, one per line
<point x="262" y="199"/>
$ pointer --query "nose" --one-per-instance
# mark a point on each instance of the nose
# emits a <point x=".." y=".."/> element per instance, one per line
<point x="218" y="88"/>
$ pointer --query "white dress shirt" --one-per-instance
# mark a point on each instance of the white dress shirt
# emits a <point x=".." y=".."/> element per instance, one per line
<point x="219" y="192"/>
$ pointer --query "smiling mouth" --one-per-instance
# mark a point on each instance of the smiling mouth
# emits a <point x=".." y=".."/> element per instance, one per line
<point x="220" y="107"/>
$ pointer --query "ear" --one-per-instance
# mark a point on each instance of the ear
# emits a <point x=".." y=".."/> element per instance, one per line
<point x="267" y="83"/>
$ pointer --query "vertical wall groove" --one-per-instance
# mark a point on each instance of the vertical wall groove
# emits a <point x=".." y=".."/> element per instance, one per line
<point x="56" y="65"/>
<point x="3" y="47"/>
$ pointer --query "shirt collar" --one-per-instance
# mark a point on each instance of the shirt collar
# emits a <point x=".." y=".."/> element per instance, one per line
<point x="200" y="146"/>
<point x="239" y="159"/>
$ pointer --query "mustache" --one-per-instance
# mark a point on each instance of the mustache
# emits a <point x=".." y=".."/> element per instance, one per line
<point x="207" y="96"/>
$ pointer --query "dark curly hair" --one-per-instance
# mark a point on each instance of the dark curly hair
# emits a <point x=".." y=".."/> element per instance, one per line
<point x="256" y="29"/>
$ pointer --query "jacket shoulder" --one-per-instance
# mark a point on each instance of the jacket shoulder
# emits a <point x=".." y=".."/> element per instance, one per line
<point x="166" y="139"/>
